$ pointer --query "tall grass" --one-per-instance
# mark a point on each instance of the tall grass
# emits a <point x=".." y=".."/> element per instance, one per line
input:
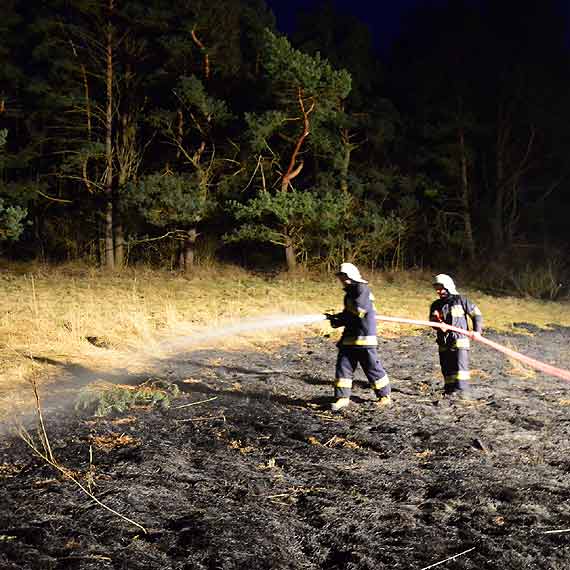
<point x="51" y="317"/>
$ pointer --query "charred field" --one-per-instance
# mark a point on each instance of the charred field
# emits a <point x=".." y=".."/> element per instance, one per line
<point x="247" y="469"/>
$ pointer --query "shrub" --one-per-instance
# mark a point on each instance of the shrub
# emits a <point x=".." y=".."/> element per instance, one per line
<point x="103" y="399"/>
<point x="542" y="282"/>
<point x="539" y="279"/>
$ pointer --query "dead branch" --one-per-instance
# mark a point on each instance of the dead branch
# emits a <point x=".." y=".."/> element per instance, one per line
<point x="47" y="456"/>
<point x="448" y="559"/>
<point x="42" y="429"/>
<point x="175" y="234"/>
<point x="556" y="531"/>
<point x="52" y="199"/>
<point x="96" y="185"/>
<point x="195" y="403"/>
<point x="87" y="557"/>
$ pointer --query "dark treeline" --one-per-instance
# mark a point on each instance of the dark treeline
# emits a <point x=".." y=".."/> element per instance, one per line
<point x="165" y="131"/>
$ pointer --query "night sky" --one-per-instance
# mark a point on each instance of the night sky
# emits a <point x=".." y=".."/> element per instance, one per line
<point x="382" y="16"/>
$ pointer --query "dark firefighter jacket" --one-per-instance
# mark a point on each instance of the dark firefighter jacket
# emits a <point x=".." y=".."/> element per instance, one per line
<point x="454" y="310"/>
<point x="358" y="317"/>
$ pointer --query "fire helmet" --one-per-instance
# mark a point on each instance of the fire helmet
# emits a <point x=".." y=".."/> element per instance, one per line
<point x="351" y="271"/>
<point x="446" y="282"/>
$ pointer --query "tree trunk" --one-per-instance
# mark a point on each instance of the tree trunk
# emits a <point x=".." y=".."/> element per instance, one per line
<point x="189" y="250"/>
<point x="467" y="226"/>
<point x="294" y="169"/>
<point x="126" y="155"/>
<point x="109" y="248"/>
<point x="119" y="235"/>
<point x="38" y="235"/>
<point x="179" y="132"/>
<point x="109" y="253"/>
<point x="290" y="257"/>
<point x="186" y="256"/>
<point x="344" y="171"/>
<point x="345" y="164"/>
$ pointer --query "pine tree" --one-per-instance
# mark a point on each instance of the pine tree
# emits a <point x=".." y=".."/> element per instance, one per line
<point x="302" y="90"/>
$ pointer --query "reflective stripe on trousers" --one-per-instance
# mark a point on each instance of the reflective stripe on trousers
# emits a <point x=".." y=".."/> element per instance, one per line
<point x="347" y="361"/>
<point x="455" y="369"/>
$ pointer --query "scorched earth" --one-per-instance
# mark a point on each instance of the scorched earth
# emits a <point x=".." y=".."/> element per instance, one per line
<point x="258" y="474"/>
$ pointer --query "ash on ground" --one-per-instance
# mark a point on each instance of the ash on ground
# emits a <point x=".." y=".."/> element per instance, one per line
<point x="247" y="469"/>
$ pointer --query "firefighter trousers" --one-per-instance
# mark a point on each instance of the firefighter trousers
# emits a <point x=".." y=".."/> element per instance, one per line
<point x="454" y="364"/>
<point x="346" y="363"/>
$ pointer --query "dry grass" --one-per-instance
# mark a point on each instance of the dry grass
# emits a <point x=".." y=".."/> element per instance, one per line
<point x="112" y="441"/>
<point x="55" y="317"/>
<point x="425" y="455"/>
<point x="337" y="441"/>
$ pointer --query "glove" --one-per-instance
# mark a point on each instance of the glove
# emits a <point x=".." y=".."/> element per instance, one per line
<point x="437" y="317"/>
<point x="335" y="321"/>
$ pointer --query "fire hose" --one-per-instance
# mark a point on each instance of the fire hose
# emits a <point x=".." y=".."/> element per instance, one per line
<point x="542" y="366"/>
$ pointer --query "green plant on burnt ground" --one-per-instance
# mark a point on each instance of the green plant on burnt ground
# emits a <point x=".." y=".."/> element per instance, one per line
<point x="103" y="399"/>
<point x="40" y="446"/>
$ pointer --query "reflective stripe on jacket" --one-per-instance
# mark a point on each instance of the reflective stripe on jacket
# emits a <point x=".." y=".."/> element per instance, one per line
<point x="358" y="317"/>
<point x="455" y="310"/>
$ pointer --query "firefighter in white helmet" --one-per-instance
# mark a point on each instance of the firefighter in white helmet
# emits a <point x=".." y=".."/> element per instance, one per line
<point x="358" y="343"/>
<point x="454" y="309"/>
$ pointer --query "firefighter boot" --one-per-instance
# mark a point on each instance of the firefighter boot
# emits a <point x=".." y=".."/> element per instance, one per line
<point x="458" y="396"/>
<point x="384" y="402"/>
<point x="340" y="404"/>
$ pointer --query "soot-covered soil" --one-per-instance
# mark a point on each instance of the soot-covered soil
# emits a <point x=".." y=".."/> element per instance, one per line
<point x="257" y="474"/>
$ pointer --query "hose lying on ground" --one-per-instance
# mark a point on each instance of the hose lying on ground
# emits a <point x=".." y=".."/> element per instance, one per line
<point x="542" y="366"/>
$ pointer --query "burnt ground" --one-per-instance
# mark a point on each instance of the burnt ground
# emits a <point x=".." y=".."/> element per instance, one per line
<point x="261" y="476"/>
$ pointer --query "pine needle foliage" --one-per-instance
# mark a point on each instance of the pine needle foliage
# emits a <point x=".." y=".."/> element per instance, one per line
<point x="11" y="216"/>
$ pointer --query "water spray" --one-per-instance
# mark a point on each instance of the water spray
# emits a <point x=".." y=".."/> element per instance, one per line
<point x="542" y="366"/>
<point x="243" y="326"/>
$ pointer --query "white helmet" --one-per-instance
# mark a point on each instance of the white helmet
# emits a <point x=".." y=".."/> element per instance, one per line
<point x="351" y="271"/>
<point x="446" y="282"/>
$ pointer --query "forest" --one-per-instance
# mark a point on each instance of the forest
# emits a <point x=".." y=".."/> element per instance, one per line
<point x="174" y="133"/>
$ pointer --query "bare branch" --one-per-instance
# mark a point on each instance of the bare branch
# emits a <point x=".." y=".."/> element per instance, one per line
<point x="293" y="170"/>
<point x="52" y="199"/>
<point x="204" y="51"/>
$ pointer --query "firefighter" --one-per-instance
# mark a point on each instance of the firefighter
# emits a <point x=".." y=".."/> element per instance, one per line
<point x="453" y="309"/>
<point x="358" y="343"/>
